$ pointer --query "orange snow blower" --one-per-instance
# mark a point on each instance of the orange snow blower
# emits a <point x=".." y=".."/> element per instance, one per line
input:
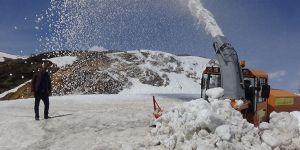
<point x="157" y="110"/>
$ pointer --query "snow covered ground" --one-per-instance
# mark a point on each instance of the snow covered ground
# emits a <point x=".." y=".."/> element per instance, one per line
<point x="122" y="122"/>
<point x="83" y="122"/>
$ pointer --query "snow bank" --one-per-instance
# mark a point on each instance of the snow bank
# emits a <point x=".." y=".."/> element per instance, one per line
<point x="63" y="61"/>
<point x="297" y="115"/>
<point x="282" y="131"/>
<point x="202" y="125"/>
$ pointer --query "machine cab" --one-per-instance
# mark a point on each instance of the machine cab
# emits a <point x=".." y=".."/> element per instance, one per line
<point x="257" y="91"/>
<point x="211" y="78"/>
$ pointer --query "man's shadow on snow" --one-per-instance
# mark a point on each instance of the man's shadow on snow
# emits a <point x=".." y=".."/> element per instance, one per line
<point x="56" y="116"/>
<point x="63" y="115"/>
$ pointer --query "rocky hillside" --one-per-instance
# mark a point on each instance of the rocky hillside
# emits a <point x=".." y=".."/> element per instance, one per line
<point x="140" y="71"/>
<point x="16" y="70"/>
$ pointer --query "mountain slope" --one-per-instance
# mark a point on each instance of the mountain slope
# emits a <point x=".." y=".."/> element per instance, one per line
<point x="140" y="71"/>
<point x="110" y="72"/>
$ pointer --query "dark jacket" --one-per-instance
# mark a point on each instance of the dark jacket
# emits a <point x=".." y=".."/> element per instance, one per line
<point x="41" y="82"/>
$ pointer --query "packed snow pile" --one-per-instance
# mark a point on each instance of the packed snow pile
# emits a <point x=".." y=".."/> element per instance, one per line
<point x="5" y="55"/>
<point x="215" y="93"/>
<point x="199" y="124"/>
<point x="203" y="125"/>
<point x="281" y="132"/>
<point x="297" y="115"/>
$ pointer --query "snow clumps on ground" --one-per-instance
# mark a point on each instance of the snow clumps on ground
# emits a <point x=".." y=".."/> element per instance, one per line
<point x="282" y="132"/>
<point x="202" y="125"/>
<point x="199" y="124"/>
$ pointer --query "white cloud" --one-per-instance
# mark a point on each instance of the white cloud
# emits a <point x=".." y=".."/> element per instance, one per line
<point x="277" y="74"/>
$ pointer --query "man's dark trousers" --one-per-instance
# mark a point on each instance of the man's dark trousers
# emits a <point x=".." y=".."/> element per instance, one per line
<point x="45" y="98"/>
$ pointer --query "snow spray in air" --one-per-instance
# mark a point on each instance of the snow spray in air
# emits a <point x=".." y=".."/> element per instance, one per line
<point x="205" y="18"/>
<point x="81" y="24"/>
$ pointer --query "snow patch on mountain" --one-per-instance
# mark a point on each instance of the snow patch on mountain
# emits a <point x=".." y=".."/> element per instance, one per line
<point x="177" y="84"/>
<point x="63" y="61"/>
<point x="10" y="56"/>
<point x="182" y="73"/>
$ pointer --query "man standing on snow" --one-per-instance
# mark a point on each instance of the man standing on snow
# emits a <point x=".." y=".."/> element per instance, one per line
<point x="41" y="88"/>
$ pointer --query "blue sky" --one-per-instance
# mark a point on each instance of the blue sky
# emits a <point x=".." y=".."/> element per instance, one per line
<point x="265" y="33"/>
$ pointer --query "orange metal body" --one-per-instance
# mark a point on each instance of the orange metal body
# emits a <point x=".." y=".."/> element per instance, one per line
<point x="254" y="73"/>
<point x="260" y="115"/>
<point x="283" y="101"/>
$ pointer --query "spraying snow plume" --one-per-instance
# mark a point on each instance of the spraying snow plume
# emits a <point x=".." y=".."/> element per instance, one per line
<point x="117" y="24"/>
<point x="129" y="24"/>
<point x="205" y="18"/>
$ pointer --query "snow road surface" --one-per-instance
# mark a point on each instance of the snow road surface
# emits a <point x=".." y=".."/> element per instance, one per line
<point x="88" y="122"/>
<point x="80" y="123"/>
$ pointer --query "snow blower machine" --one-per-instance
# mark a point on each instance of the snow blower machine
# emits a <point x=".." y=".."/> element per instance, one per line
<point x="249" y="85"/>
